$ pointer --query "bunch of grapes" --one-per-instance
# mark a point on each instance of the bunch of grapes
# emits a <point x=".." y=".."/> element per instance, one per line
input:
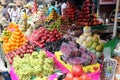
<point x="36" y="64"/>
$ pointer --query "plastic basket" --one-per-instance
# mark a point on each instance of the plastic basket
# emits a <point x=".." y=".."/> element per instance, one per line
<point x="95" y="75"/>
<point x="51" y="77"/>
<point x="57" y="63"/>
<point x="90" y="68"/>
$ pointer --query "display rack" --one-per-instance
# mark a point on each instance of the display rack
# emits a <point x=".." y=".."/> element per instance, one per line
<point x="116" y="15"/>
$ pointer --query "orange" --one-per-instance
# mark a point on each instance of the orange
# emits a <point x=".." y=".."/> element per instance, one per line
<point x="18" y="33"/>
<point x="5" y="38"/>
<point x="13" y="39"/>
<point x="13" y="48"/>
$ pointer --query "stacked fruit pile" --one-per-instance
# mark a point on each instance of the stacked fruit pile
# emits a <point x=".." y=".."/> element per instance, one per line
<point x="53" y="16"/>
<point x="25" y="49"/>
<point x="42" y="35"/>
<point x="16" y="40"/>
<point x="69" y="12"/>
<point x="34" y="65"/>
<point x="92" y="43"/>
<point x="87" y="15"/>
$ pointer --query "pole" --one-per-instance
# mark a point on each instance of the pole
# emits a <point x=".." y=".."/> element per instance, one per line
<point x="116" y="15"/>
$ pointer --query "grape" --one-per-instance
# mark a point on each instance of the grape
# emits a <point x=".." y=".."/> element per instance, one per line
<point x="36" y="64"/>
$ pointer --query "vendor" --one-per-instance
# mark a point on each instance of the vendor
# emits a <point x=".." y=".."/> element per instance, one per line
<point x="14" y="14"/>
<point x="52" y="7"/>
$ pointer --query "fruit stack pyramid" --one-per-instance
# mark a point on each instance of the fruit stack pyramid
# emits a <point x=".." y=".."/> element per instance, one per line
<point x="69" y="12"/>
<point x="87" y="15"/>
<point x="91" y="42"/>
<point x="16" y="40"/>
<point x="53" y="15"/>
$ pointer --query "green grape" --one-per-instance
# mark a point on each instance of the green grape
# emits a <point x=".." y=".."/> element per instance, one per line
<point x="36" y="64"/>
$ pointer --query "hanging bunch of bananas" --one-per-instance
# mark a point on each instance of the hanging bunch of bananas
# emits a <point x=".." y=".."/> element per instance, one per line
<point x="53" y="16"/>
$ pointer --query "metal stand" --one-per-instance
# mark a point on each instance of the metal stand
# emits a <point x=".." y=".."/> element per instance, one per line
<point x="116" y="15"/>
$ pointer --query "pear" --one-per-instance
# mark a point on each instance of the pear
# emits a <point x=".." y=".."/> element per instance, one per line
<point x="94" y="45"/>
<point x="95" y="37"/>
<point x="89" y="44"/>
<point x="93" y="51"/>
<point x="87" y="34"/>
<point x="89" y="38"/>
<point x="84" y="44"/>
<point x="98" y="54"/>
<point x="99" y="48"/>
<point x="87" y="29"/>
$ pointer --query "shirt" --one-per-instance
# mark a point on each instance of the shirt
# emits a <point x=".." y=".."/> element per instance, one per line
<point x="63" y="6"/>
<point x="50" y="9"/>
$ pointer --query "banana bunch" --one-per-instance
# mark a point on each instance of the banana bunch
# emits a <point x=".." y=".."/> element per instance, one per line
<point x="53" y="15"/>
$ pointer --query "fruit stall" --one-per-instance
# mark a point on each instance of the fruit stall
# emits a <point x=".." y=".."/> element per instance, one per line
<point x="56" y="47"/>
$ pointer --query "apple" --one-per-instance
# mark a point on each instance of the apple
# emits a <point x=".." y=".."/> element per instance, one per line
<point x="77" y="70"/>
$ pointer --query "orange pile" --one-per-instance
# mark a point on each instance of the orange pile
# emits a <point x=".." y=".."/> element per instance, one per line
<point x="16" y="40"/>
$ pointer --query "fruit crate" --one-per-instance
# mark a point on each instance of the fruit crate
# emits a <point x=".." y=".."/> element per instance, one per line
<point x="51" y="77"/>
<point x="15" y="77"/>
<point x="91" y="68"/>
<point x="64" y="68"/>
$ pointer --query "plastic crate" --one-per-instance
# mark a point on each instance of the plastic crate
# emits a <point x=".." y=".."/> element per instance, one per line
<point x="57" y="63"/>
<point x="110" y="46"/>
<point x="95" y="75"/>
<point x="91" y="68"/>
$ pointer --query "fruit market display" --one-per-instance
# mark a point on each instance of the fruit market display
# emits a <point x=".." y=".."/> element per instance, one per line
<point x="52" y="16"/>
<point x="42" y="35"/>
<point x="16" y="40"/>
<point x="87" y="15"/>
<point x="69" y="13"/>
<point x="25" y="49"/>
<point x="77" y="73"/>
<point x="55" y="46"/>
<point x="91" y="42"/>
<point x="35" y="64"/>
